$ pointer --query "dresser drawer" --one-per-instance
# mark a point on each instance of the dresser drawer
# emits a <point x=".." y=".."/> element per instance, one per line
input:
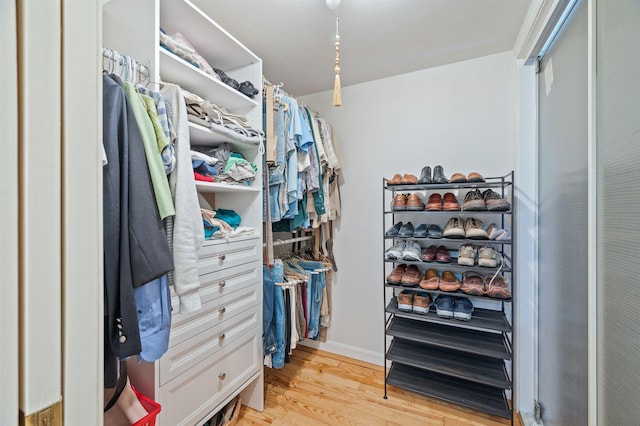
<point x="182" y="356"/>
<point x="222" y="289"/>
<point x="213" y="313"/>
<point x="198" y="391"/>
<point x="222" y="254"/>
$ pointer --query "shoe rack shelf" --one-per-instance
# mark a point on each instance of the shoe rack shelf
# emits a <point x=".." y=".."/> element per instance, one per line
<point x="464" y="362"/>
<point x="440" y="241"/>
<point x="486" y="319"/>
<point x="453" y="266"/>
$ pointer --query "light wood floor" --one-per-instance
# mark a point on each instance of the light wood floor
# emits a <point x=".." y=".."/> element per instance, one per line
<point x="319" y="388"/>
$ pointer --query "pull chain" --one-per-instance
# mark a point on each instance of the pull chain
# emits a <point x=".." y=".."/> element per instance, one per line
<point x="337" y="96"/>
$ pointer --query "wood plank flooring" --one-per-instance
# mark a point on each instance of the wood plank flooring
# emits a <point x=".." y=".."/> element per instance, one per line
<point x="320" y="388"/>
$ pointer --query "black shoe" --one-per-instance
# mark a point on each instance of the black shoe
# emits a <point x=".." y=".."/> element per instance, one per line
<point x="406" y="230"/>
<point x="393" y="231"/>
<point x="434" y="231"/>
<point x="420" y="231"/>
<point x="438" y="175"/>
<point x="425" y="175"/>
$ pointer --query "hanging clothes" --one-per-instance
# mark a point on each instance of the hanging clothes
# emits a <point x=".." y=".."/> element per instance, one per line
<point x="186" y="236"/>
<point x="135" y="247"/>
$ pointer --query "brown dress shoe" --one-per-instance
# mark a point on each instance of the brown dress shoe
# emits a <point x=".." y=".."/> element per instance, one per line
<point x="414" y="203"/>
<point x="496" y="287"/>
<point x="395" y="180"/>
<point x="475" y="177"/>
<point x="449" y="282"/>
<point x="472" y="283"/>
<point x="450" y="203"/>
<point x="431" y="280"/>
<point x="435" y="202"/>
<point x="458" y="178"/>
<point x="411" y="276"/>
<point x="399" y="202"/>
<point x="409" y="180"/>
<point x="395" y="277"/>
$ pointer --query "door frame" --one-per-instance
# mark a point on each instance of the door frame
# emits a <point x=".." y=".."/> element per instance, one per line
<point x="9" y="216"/>
<point x="82" y="290"/>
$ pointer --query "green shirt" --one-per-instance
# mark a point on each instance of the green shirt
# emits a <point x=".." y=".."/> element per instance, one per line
<point x="156" y="169"/>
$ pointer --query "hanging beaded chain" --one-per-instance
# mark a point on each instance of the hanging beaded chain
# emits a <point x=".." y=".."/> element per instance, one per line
<point x="337" y="98"/>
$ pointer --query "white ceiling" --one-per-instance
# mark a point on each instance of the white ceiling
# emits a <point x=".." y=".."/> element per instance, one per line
<point x="379" y="38"/>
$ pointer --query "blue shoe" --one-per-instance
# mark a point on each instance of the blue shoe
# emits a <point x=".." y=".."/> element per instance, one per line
<point x="420" y="231"/>
<point x="406" y="230"/>
<point x="444" y="306"/>
<point x="434" y="231"/>
<point x="393" y="231"/>
<point x="462" y="309"/>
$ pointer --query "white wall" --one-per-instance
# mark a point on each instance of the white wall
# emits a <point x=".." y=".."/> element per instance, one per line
<point x="462" y="116"/>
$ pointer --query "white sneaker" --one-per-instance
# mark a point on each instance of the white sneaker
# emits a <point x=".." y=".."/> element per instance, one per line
<point x="395" y="252"/>
<point x="488" y="257"/>
<point x="467" y="255"/>
<point x="412" y="251"/>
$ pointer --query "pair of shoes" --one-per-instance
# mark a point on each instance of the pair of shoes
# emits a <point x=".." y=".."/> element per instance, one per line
<point x="404" y="275"/>
<point x="471" y="227"/>
<point x="459" y="308"/>
<point x="487" y="200"/>
<point x="432" y="281"/>
<point x="406" y="179"/>
<point x="418" y="302"/>
<point x="438" y="175"/>
<point x="492" y="285"/>
<point x="485" y="255"/>
<point x="498" y="234"/>
<point x="409" y="250"/>
<point x="411" y="202"/>
<point x="437" y="203"/>
<point x="431" y="254"/>
<point x="471" y="177"/>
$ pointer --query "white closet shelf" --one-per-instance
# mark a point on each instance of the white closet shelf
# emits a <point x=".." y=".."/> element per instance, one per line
<point x="176" y="70"/>
<point x="203" y="136"/>
<point x="216" y="45"/>
<point x="224" y="187"/>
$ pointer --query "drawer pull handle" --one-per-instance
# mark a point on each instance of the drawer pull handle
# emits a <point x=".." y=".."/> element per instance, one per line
<point x="221" y="258"/>
<point x="222" y="310"/>
<point x="222" y="376"/>
<point x="222" y="283"/>
<point x="222" y="336"/>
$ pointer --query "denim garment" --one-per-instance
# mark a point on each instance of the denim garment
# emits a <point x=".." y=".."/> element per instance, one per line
<point x="280" y="137"/>
<point x="276" y="180"/>
<point x="314" y="296"/>
<point x="277" y="358"/>
<point x="270" y="277"/>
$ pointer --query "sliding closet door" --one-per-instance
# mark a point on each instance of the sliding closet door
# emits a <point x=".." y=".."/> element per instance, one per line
<point x="618" y="210"/>
<point x="562" y="226"/>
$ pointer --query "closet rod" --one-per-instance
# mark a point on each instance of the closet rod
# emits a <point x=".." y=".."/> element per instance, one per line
<point x="291" y="240"/>
<point x="118" y="59"/>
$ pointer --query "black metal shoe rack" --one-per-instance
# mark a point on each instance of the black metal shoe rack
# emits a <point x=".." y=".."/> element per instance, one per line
<point x="469" y="363"/>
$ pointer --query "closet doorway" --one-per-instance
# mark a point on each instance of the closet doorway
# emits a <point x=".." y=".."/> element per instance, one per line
<point x="563" y="226"/>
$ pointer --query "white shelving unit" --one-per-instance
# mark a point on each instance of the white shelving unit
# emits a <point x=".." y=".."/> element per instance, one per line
<point x="214" y="353"/>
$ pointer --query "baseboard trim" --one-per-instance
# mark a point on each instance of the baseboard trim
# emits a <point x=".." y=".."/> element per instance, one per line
<point x="345" y="350"/>
<point x="528" y="419"/>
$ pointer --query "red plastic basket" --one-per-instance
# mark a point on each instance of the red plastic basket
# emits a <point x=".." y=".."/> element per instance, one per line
<point x="152" y="407"/>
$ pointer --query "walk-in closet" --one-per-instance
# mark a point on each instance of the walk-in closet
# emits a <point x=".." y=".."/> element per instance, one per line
<point x="319" y="212"/>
